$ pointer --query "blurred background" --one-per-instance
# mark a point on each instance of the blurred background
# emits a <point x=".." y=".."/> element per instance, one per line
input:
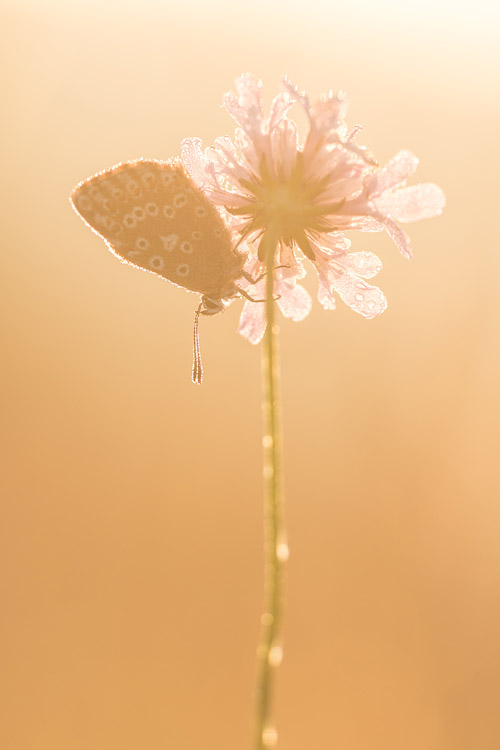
<point x="131" y="539"/>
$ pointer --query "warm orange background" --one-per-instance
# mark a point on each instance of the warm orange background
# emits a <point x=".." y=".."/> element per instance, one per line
<point x="131" y="512"/>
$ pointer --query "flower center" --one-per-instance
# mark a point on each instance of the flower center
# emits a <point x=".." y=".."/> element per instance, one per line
<point x="291" y="205"/>
<point x="284" y="204"/>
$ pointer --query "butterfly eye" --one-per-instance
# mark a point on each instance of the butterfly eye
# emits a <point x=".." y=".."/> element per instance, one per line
<point x="167" y="178"/>
<point x="148" y="180"/>
<point x="152" y="209"/>
<point x="133" y="188"/>
<point x="157" y="263"/>
<point x="170" y="242"/>
<point x="187" y="248"/>
<point x="180" y="200"/>
<point x="182" y="270"/>
<point x="110" y="224"/>
<point x="139" y="213"/>
<point x="168" y="212"/>
<point x="141" y="243"/>
<point x="129" y="221"/>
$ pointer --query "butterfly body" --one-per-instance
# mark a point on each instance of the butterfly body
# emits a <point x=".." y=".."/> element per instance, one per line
<point x="152" y="216"/>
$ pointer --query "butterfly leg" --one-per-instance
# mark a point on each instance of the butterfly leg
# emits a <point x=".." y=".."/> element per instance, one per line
<point x="247" y="296"/>
<point x="261" y="276"/>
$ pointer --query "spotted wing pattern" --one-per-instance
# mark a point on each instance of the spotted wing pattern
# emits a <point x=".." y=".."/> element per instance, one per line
<point x="151" y="215"/>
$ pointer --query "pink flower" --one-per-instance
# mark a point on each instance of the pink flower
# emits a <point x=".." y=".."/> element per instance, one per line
<point x="309" y="193"/>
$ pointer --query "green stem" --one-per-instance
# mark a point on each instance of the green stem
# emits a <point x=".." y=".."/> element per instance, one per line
<point x="269" y="653"/>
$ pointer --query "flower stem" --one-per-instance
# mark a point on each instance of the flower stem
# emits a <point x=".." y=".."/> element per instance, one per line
<point x="269" y="653"/>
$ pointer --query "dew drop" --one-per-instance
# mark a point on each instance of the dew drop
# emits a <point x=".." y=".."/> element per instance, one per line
<point x="268" y="472"/>
<point x="269" y="737"/>
<point x="282" y="551"/>
<point x="275" y="656"/>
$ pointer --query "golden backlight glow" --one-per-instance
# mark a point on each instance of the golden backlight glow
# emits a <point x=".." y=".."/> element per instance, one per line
<point x="130" y="539"/>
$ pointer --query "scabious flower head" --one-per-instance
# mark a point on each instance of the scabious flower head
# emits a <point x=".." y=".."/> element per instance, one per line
<point x="265" y="181"/>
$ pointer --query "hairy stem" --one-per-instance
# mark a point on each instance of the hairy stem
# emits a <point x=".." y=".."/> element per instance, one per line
<point x="270" y="649"/>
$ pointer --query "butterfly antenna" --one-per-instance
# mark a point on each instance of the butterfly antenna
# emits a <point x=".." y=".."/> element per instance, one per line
<point x="197" y="375"/>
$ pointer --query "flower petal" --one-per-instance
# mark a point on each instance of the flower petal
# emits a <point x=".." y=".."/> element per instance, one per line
<point x="395" y="173"/>
<point x="325" y="294"/>
<point x="329" y="115"/>
<point x="364" y="299"/>
<point x="284" y="147"/>
<point x="199" y="167"/>
<point x="412" y="203"/>
<point x="399" y="236"/>
<point x="341" y="272"/>
<point x="226" y="159"/>
<point x="245" y="104"/>
<point x="279" y="107"/>
<point x="252" y="323"/>
<point x="362" y="264"/>
<point x="298" y="96"/>
<point x="335" y="241"/>
<point x="294" y="302"/>
<point x="203" y="172"/>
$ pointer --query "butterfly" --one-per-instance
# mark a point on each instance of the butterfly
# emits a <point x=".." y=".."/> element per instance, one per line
<point x="151" y="215"/>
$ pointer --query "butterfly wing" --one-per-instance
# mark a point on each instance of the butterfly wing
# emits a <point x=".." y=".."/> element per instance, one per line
<point x="153" y="216"/>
